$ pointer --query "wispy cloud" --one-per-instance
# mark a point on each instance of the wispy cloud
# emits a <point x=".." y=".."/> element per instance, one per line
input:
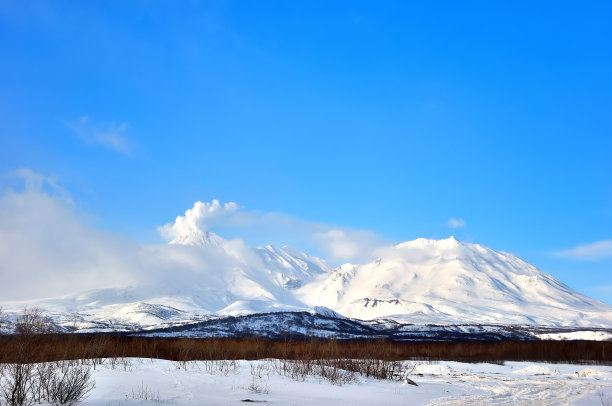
<point x="110" y="135"/>
<point x="588" y="252"/>
<point x="607" y="289"/>
<point x="456" y="223"/>
<point x="347" y="244"/>
<point x="36" y="183"/>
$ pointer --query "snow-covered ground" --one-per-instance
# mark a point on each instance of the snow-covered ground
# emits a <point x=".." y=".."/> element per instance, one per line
<point x="144" y="382"/>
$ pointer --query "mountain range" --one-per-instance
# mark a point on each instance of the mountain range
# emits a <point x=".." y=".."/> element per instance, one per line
<point x="422" y="282"/>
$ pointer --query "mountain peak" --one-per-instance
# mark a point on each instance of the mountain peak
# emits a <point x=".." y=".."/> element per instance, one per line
<point x="447" y="243"/>
<point x="199" y="238"/>
<point x="447" y="281"/>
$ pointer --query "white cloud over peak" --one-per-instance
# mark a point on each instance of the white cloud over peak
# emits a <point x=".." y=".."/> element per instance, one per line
<point x="336" y="243"/>
<point x="194" y="223"/>
<point x="591" y="251"/>
<point x="456" y="223"/>
<point x="111" y="135"/>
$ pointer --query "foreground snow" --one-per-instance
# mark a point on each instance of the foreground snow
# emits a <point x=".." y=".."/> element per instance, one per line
<point x="143" y="382"/>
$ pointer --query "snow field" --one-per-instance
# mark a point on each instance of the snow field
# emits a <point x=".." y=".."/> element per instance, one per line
<point x="153" y="382"/>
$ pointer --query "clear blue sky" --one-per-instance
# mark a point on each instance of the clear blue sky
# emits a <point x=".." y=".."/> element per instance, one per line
<point x="392" y="117"/>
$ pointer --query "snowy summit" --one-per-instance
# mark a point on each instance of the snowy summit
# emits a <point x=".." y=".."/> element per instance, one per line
<point x="449" y="281"/>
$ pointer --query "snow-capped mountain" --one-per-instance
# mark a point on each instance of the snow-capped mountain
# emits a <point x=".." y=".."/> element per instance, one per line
<point x="444" y="282"/>
<point x="449" y="282"/>
<point x="285" y="266"/>
<point x="291" y="268"/>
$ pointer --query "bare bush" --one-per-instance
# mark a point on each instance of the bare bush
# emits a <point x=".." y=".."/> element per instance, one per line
<point x="221" y="366"/>
<point x="378" y="368"/>
<point x="145" y="393"/>
<point x="183" y="364"/>
<point x="95" y="350"/>
<point x="123" y="362"/>
<point x="260" y="374"/>
<point x="18" y="382"/>
<point x="25" y="380"/>
<point x="343" y="371"/>
<point x="32" y="322"/>
<point x="65" y="382"/>
<point x="332" y="370"/>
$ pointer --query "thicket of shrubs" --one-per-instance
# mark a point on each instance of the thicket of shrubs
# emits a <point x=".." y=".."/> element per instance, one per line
<point x="95" y="347"/>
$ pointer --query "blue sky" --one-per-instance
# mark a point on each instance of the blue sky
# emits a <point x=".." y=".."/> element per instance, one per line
<point x="389" y="117"/>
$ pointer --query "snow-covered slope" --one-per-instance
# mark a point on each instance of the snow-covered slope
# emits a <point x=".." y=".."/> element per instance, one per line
<point x="291" y="268"/>
<point x="449" y="282"/>
<point x="286" y="266"/>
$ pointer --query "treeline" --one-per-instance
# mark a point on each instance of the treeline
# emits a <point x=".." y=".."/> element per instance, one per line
<point x="54" y="347"/>
<point x="36" y="339"/>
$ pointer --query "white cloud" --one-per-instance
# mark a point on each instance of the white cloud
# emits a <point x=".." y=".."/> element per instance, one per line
<point x="347" y="244"/>
<point x="195" y="220"/>
<point x="46" y="250"/>
<point x="110" y="135"/>
<point x="340" y="244"/>
<point x="456" y="223"/>
<point x="591" y="251"/>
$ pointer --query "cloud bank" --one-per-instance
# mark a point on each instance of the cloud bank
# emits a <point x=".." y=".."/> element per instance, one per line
<point x="47" y="250"/>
